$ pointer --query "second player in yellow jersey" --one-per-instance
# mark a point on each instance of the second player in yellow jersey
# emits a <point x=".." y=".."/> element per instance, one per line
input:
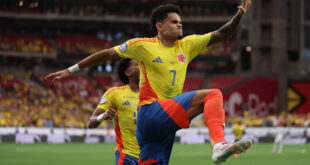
<point x="124" y="101"/>
<point x="238" y="130"/>
<point x="120" y="105"/>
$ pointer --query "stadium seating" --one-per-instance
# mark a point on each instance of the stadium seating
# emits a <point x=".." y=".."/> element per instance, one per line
<point x="25" y="43"/>
<point x="126" y="9"/>
<point x="72" y="45"/>
<point x="81" y="44"/>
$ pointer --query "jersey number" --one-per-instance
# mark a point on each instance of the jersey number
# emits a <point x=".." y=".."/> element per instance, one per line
<point x="174" y="73"/>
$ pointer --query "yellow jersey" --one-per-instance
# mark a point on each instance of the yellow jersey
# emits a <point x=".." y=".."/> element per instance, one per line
<point x="125" y="101"/>
<point x="238" y="131"/>
<point x="162" y="69"/>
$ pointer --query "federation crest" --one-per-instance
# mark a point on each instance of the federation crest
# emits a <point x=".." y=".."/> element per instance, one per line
<point x="103" y="100"/>
<point x="181" y="58"/>
<point x="123" y="47"/>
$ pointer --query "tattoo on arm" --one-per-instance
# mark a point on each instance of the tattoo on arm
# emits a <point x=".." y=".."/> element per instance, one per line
<point x="227" y="30"/>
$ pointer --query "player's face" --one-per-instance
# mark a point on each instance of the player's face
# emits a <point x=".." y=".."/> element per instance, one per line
<point x="172" y="26"/>
<point x="134" y="69"/>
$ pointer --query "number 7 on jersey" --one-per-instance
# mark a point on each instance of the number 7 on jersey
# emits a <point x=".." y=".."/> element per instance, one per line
<point x="174" y="73"/>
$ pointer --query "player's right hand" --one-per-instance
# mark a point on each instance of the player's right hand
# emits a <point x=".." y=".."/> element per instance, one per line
<point x="109" y="114"/>
<point x="245" y="6"/>
<point x="58" y="75"/>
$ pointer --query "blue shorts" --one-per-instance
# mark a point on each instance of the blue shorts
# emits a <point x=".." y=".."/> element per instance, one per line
<point x="157" y="124"/>
<point x="125" y="159"/>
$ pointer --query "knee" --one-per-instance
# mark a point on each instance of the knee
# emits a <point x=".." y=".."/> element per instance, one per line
<point x="215" y="93"/>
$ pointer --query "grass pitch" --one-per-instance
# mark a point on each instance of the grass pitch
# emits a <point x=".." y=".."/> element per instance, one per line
<point x="182" y="154"/>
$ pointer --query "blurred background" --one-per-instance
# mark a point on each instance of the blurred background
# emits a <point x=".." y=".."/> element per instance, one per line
<point x="263" y="70"/>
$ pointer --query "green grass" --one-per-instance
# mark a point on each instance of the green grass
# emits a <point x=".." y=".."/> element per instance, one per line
<point x="182" y="154"/>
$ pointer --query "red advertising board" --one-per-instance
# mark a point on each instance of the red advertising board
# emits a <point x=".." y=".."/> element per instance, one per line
<point x="257" y="95"/>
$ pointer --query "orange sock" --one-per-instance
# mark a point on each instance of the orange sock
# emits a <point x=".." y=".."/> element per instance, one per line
<point x="214" y="116"/>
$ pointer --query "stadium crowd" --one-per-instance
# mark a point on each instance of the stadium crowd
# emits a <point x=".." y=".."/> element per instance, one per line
<point x="72" y="45"/>
<point x="282" y="119"/>
<point x="119" y="8"/>
<point x="25" y="43"/>
<point x="25" y="103"/>
<point x="61" y="41"/>
<point x="134" y="11"/>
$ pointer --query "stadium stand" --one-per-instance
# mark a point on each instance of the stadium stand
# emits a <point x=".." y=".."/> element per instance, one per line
<point x="113" y="8"/>
<point x="81" y="44"/>
<point x="25" y="43"/>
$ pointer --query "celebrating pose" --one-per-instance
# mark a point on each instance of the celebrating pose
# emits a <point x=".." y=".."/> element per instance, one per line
<point x="163" y="61"/>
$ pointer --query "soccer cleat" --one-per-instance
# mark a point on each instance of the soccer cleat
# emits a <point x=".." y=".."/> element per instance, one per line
<point x="221" y="151"/>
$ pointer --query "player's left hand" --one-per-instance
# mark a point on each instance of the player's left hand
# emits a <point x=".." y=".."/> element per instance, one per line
<point x="245" y="6"/>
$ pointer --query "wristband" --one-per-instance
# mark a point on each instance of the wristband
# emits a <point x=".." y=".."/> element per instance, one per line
<point x="100" y="118"/>
<point x="74" y="68"/>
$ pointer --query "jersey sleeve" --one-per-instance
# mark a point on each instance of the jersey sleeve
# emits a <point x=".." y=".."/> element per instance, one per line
<point x="128" y="50"/>
<point x="106" y="101"/>
<point x="197" y="44"/>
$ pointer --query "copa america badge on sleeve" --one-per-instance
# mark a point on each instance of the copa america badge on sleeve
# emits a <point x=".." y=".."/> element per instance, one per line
<point x="123" y="47"/>
<point x="103" y="100"/>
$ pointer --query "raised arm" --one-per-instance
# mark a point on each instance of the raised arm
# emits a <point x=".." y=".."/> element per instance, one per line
<point x="94" y="59"/>
<point x="99" y="115"/>
<point x="230" y="27"/>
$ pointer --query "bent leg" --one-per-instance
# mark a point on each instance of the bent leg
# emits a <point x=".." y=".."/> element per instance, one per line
<point x="210" y="102"/>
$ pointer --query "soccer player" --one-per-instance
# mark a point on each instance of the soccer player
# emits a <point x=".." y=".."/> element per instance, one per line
<point x="238" y="130"/>
<point x="162" y="108"/>
<point x="281" y="134"/>
<point x="120" y="105"/>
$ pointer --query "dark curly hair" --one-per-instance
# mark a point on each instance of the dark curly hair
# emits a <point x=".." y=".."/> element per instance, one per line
<point x="121" y="68"/>
<point x="160" y="13"/>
